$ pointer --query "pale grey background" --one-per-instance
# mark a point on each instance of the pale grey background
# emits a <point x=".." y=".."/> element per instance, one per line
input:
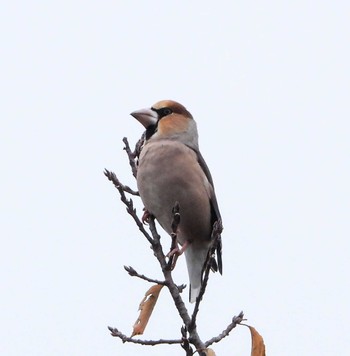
<point x="268" y="83"/>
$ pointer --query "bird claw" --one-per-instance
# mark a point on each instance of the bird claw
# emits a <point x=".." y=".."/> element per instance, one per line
<point x="175" y="252"/>
<point x="178" y="251"/>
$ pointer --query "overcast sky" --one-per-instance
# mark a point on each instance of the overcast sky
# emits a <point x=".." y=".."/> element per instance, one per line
<point x="268" y="84"/>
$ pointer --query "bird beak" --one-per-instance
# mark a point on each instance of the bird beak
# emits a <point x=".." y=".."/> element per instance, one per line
<point x="146" y="117"/>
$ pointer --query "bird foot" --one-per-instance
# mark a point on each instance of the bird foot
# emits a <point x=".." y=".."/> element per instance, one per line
<point x="175" y="252"/>
<point x="178" y="251"/>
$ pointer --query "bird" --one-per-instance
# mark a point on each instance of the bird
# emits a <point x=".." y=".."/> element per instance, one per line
<point x="171" y="169"/>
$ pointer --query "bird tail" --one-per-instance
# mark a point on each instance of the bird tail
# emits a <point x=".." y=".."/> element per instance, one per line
<point x="196" y="255"/>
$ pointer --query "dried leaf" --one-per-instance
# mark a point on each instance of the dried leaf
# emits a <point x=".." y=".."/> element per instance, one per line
<point x="146" y="308"/>
<point x="258" y="346"/>
<point x="209" y="352"/>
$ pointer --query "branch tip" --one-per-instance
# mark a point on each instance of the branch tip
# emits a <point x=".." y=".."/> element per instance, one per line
<point x="130" y="270"/>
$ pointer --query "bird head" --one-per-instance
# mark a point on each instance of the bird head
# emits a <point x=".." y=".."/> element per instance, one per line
<point x="168" y="119"/>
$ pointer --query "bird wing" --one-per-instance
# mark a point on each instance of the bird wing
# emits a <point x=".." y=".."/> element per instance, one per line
<point x="216" y="216"/>
<point x="212" y="195"/>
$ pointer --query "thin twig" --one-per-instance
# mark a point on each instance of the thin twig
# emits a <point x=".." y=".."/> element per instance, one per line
<point x="186" y="344"/>
<point x="173" y="289"/>
<point x="132" y="272"/>
<point x="130" y="191"/>
<point x="131" y="156"/>
<point x="139" y="146"/>
<point x="129" y="204"/>
<point x="235" y="321"/>
<point x="174" y="226"/>
<point x="215" y="235"/>
<point x="115" y="332"/>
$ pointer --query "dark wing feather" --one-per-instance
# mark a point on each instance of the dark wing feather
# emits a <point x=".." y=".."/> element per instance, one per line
<point x="213" y="200"/>
<point x="215" y="208"/>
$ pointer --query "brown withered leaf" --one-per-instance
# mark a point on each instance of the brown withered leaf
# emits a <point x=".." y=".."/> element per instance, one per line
<point x="146" y="308"/>
<point x="258" y="346"/>
<point x="209" y="352"/>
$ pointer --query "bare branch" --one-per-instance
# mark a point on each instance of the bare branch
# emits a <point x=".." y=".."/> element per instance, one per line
<point x="129" y="190"/>
<point x="133" y="155"/>
<point x="186" y="345"/>
<point x="174" y="225"/>
<point x="113" y="178"/>
<point x="129" y="204"/>
<point x="132" y="272"/>
<point x="215" y="235"/>
<point x="115" y="332"/>
<point x="235" y="321"/>
<point x="176" y="217"/>
<point x="139" y="145"/>
<point x="173" y="289"/>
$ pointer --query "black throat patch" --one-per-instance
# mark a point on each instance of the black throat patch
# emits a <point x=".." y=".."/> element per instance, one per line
<point x="150" y="131"/>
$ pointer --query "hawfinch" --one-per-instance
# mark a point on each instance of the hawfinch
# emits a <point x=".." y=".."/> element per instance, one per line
<point x="171" y="169"/>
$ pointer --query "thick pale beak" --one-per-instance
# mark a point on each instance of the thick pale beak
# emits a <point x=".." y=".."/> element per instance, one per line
<point x="146" y="117"/>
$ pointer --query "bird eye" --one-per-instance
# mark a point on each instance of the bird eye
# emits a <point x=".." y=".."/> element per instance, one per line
<point x="166" y="111"/>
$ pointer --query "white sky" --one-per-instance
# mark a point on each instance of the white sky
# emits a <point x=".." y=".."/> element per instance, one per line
<point x="268" y="83"/>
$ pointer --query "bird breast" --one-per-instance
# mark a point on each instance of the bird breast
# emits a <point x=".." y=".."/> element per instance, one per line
<point x="168" y="172"/>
